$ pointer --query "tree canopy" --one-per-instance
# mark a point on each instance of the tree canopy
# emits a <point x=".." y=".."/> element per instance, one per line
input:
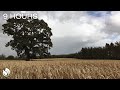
<point x="30" y="37"/>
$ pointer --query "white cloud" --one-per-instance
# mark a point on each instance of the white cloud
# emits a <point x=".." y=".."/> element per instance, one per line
<point x="113" y="23"/>
<point x="115" y="18"/>
<point x="5" y="50"/>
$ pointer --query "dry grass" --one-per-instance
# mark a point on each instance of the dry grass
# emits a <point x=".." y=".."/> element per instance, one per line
<point x="62" y="69"/>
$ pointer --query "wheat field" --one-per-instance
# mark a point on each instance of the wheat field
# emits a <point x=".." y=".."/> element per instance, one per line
<point x="61" y="68"/>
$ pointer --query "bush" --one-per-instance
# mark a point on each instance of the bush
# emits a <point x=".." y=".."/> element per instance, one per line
<point x="11" y="57"/>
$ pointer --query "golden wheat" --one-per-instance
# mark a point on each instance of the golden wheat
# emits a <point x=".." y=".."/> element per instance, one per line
<point x="61" y="68"/>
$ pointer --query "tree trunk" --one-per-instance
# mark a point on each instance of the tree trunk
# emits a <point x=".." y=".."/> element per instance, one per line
<point x="28" y="57"/>
<point x="27" y="54"/>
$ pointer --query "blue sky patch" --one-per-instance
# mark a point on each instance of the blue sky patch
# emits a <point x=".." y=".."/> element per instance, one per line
<point x="98" y="13"/>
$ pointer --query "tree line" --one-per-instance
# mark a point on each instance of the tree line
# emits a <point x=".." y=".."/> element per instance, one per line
<point x="10" y="57"/>
<point x="109" y="51"/>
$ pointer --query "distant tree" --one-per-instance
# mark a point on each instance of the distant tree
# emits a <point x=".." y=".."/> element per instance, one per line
<point x="31" y="37"/>
<point x="10" y="57"/>
<point x="2" y="57"/>
<point x="117" y="50"/>
<point x="107" y="49"/>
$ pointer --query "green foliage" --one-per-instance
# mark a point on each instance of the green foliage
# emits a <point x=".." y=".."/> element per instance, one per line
<point x="31" y="37"/>
<point x="10" y="57"/>
<point x="109" y="51"/>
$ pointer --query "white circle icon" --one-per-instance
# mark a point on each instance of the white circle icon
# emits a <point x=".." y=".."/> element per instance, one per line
<point x="6" y="72"/>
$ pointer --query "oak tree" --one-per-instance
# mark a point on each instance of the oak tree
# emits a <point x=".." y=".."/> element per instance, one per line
<point x="30" y="37"/>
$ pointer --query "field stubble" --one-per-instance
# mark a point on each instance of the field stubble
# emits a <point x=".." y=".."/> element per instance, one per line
<point x="61" y="69"/>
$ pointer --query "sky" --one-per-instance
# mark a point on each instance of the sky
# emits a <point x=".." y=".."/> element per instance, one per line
<point x="71" y="30"/>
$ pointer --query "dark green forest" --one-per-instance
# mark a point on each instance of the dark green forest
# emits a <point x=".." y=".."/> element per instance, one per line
<point x="109" y="51"/>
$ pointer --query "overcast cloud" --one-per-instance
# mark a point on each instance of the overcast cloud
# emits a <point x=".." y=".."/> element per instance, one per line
<point x="73" y="30"/>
